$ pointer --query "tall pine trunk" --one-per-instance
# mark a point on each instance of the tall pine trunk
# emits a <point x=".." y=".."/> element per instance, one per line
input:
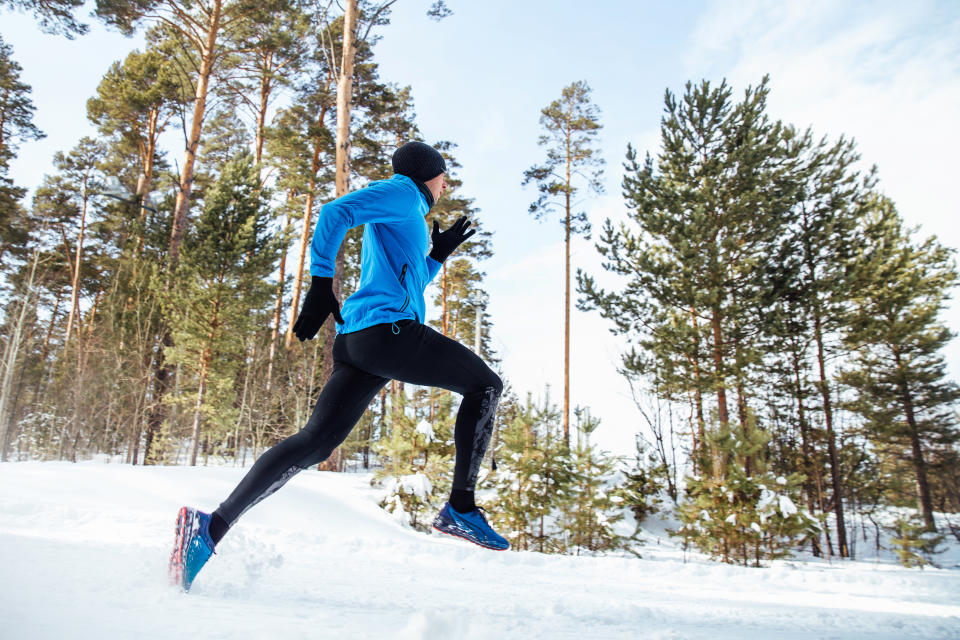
<point x="75" y="276"/>
<point x="566" y="301"/>
<point x="11" y="356"/>
<point x="278" y="304"/>
<point x="305" y="234"/>
<point x="265" y="89"/>
<point x="145" y="184"/>
<point x="824" y="389"/>
<point x="198" y="408"/>
<point x="919" y="465"/>
<point x="341" y="180"/>
<point x="208" y="56"/>
<point x="831" y="437"/>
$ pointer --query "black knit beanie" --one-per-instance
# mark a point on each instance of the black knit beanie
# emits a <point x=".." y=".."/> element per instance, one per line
<point x="418" y="161"/>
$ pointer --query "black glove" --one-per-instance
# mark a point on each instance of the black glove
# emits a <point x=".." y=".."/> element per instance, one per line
<point x="317" y="305"/>
<point x="446" y="242"/>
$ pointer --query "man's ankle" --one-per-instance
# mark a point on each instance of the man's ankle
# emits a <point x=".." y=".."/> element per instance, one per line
<point x="218" y="527"/>
<point x="462" y="500"/>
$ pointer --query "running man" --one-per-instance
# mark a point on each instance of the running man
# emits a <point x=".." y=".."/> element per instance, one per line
<point x="381" y="336"/>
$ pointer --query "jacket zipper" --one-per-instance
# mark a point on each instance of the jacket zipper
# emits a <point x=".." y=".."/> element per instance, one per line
<point x="406" y="298"/>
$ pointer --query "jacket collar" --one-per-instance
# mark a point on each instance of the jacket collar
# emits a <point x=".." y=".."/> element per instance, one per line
<point x="421" y="186"/>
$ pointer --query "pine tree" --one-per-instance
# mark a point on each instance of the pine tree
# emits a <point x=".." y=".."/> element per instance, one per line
<point x="806" y="290"/>
<point x="592" y="507"/>
<point x="571" y="124"/>
<point x="417" y="456"/>
<point x="135" y="102"/>
<point x="915" y="544"/>
<point x="16" y="126"/>
<point x="708" y="215"/>
<point x="54" y="16"/>
<point x="532" y="477"/>
<point x="641" y="486"/>
<point x="270" y="49"/>
<point x="231" y="250"/>
<point x="898" y="373"/>
<point x="741" y="517"/>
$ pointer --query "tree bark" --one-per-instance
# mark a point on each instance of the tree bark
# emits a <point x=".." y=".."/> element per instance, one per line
<point x="566" y="299"/>
<point x="145" y="184"/>
<point x="265" y="90"/>
<point x="208" y="56"/>
<point x="304" y="236"/>
<point x="11" y="355"/>
<point x="831" y="438"/>
<point x="342" y="177"/>
<point x="75" y="277"/>
<point x="919" y="465"/>
<point x="198" y="409"/>
<point x="278" y="305"/>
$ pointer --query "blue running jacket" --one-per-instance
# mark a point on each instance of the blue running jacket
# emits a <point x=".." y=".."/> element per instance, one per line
<point x="394" y="265"/>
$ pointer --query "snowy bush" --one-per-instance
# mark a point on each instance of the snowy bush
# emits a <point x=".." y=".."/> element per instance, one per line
<point x="406" y="496"/>
<point x="914" y="545"/>
<point x="743" y="519"/>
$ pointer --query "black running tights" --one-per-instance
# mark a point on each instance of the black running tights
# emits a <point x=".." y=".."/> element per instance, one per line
<point x="363" y="362"/>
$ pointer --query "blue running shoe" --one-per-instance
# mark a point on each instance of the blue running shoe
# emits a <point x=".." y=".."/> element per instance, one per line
<point x="193" y="547"/>
<point x="472" y="526"/>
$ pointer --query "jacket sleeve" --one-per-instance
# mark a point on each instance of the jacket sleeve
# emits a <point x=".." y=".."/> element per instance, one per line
<point x="432" y="268"/>
<point x="379" y="202"/>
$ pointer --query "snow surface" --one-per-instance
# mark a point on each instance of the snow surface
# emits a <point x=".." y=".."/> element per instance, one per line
<point x="84" y="547"/>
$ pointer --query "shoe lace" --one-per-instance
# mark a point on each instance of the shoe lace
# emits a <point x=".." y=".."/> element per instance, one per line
<point x="480" y="512"/>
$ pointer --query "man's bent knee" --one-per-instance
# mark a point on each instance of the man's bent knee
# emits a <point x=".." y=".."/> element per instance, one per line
<point x="493" y="382"/>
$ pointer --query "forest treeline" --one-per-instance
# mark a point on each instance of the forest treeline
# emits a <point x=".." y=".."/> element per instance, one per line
<point x="784" y="330"/>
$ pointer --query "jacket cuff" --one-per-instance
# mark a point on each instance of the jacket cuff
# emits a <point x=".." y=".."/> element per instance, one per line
<point x="433" y="266"/>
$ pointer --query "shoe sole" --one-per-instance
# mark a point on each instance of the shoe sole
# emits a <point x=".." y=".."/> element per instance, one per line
<point x="482" y="546"/>
<point x="178" y="555"/>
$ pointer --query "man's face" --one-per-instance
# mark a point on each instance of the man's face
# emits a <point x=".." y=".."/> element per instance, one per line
<point x="437" y="186"/>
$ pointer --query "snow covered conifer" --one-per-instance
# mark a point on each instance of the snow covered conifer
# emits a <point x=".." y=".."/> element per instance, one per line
<point x="229" y="250"/>
<point x="591" y="507"/>
<point x="898" y="373"/>
<point x="915" y="546"/>
<point x="532" y="477"/>
<point x="737" y="517"/>
<point x="641" y="486"/>
<point x="417" y="456"/>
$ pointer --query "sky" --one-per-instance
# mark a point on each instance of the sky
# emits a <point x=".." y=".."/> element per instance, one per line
<point x="886" y="74"/>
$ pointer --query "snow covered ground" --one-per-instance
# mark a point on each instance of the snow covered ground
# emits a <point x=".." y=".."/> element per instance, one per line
<point x="83" y="552"/>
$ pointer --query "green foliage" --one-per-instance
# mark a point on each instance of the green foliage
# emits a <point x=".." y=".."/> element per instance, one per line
<point x="550" y="498"/>
<point x="898" y="371"/>
<point x="737" y="517"/>
<point x="417" y="456"/>
<point x="705" y="218"/>
<point x="571" y="124"/>
<point x="532" y="478"/>
<point x="914" y="544"/>
<point x="643" y="483"/>
<point x="221" y="294"/>
<point x="593" y="505"/>
<point x="16" y="126"/>
<point x="143" y="88"/>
